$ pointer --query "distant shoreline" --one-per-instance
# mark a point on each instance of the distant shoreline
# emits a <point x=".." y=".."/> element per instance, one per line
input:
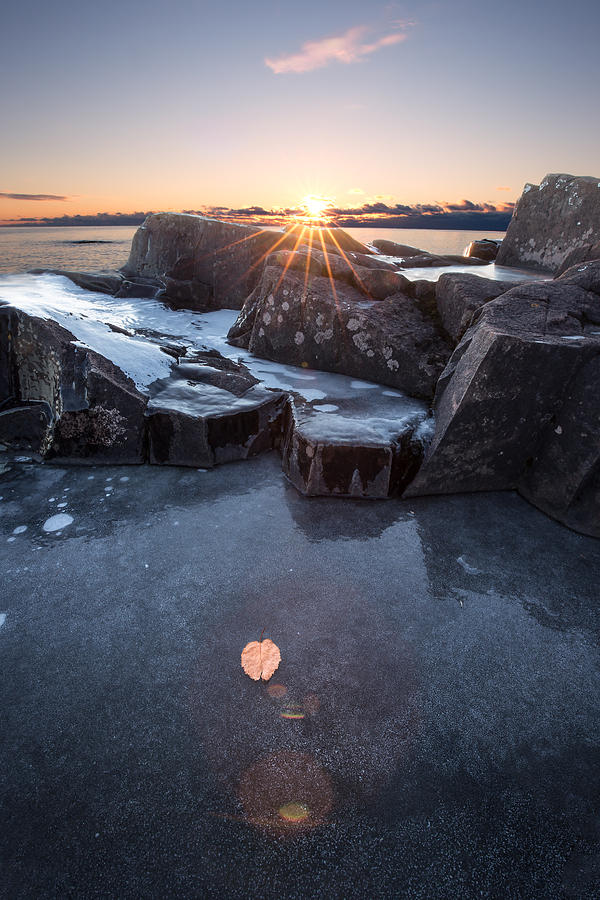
<point x="421" y="226"/>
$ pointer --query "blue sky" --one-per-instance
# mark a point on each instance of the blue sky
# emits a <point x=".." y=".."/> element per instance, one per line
<point x="129" y="105"/>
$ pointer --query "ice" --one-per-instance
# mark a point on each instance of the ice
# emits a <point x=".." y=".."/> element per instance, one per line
<point x="55" y="523"/>
<point x="20" y="529"/>
<point x="2" y="619"/>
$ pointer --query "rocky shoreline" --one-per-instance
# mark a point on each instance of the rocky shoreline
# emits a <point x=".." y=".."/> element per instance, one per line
<point x="483" y="384"/>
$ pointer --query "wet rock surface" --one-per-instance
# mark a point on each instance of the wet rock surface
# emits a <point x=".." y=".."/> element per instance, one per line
<point x="551" y="220"/>
<point x="460" y="758"/>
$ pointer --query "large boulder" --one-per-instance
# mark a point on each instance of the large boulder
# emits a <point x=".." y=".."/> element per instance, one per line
<point x="528" y="359"/>
<point x="563" y="476"/>
<point x="323" y="323"/>
<point x="585" y="275"/>
<point x="550" y="221"/>
<point x="204" y="263"/>
<point x="459" y="295"/>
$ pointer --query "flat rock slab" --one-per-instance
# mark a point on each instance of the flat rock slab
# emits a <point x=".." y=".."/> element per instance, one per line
<point x="368" y="447"/>
<point x="211" y="411"/>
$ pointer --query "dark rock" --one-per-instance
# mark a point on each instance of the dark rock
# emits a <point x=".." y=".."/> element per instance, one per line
<point x="332" y="326"/>
<point x="459" y="295"/>
<point x="94" y="412"/>
<point x="579" y="255"/>
<point x="563" y="476"/>
<point x="376" y="283"/>
<point x="369" y="449"/>
<point x="431" y="260"/>
<point x="369" y="262"/>
<point x="486" y="249"/>
<point x="422" y="261"/>
<point x="550" y="221"/>
<point x="391" y="248"/>
<point x="26" y="426"/>
<point x="528" y="354"/>
<point x="204" y="263"/>
<point x="108" y="282"/>
<point x="586" y="275"/>
<point x="210" y="411"/>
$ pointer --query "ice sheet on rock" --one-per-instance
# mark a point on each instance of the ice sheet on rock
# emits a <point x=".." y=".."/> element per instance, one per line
<point x="150" y="323"/>
<point x="365" y="420"/>
<point x="203" y="399"/>
<point x="84" y="314"/>
<point x="497" y="273"/>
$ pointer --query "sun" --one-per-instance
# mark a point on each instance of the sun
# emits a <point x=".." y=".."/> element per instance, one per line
<point x="315" y="207"/>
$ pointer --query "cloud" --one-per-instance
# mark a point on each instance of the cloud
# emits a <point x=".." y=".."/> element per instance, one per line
<point x="349" y="47"/>
<point x="355" y="191"/>
<point x="465" y="214"/>
<point x="503" y="189"/>
<point x="32" y="197"/>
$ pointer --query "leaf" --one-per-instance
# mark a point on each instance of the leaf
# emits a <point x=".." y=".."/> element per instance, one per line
<point x="260" y="659"/>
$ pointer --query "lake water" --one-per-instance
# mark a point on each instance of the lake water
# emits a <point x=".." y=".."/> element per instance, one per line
<point x="23" y="248"/>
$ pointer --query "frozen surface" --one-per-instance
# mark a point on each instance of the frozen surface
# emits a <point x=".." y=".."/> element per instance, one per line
<point x="497" y="273"/>
<point x="88" y="315"/>
<point x="446" y="720"/>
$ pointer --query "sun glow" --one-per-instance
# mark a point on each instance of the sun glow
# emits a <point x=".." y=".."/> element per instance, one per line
<point x="315" y="207"/>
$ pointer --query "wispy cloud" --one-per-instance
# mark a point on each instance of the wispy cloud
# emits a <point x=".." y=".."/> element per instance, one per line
<point x="10" y="196"/>
<point x="350" y="47"/>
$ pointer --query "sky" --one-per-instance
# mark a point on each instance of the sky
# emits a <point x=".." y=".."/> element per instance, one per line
<point x="135" y="105"/>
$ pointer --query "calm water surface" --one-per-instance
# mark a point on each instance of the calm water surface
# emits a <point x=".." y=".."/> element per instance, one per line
<point x="107" y="247"/>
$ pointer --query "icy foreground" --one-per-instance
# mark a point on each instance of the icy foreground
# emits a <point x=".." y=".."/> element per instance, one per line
<point x="436" y="721"/>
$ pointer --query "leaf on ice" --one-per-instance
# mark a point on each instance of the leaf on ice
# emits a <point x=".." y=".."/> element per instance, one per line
<point x="260" y="659"/>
